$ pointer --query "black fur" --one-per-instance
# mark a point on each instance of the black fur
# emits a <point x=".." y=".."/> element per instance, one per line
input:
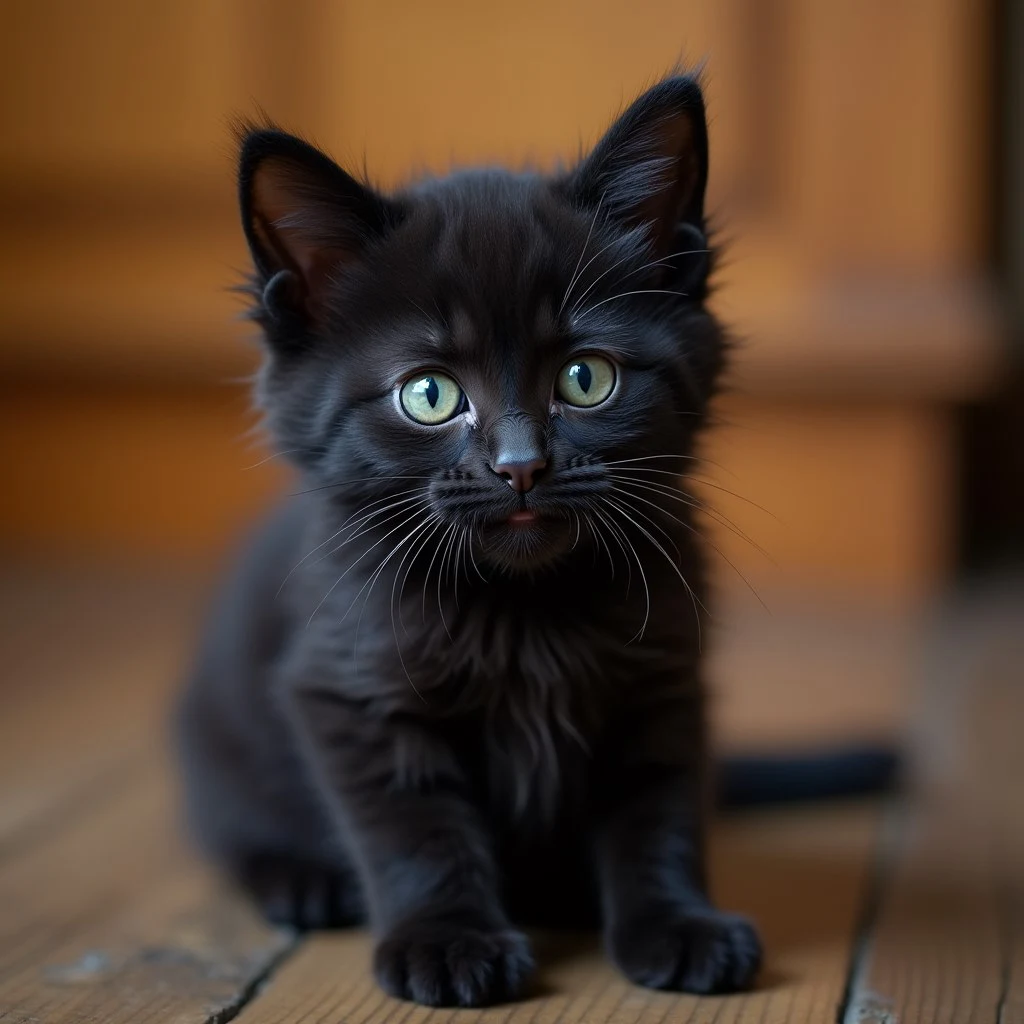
<point x="408" y="710"/>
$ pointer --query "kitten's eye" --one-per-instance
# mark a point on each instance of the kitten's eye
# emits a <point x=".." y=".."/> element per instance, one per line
<point x="433" y="398"/>
<point x="587" y="381"/>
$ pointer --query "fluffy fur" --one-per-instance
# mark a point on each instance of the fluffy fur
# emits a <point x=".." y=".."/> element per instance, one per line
<point x="411" y="709"/>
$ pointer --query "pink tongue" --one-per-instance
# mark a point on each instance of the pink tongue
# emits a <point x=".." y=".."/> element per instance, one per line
<point x="522" y="517"/>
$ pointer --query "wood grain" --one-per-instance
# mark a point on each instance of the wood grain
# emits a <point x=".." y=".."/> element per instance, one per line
<point x="106" y="915"/>
<point x="90" y="661"/>
<point x="944" y="943"/>
<point x="107" y="918"/>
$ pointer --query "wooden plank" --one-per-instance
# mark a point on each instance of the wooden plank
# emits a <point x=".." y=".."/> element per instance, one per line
<point x="106" y="915"/>
<point x="944" y="946"/>
<point x="80" y="712"/>
<point x="923" y="207"/>
<point x="110" y="919"/>
<point x="800" y="874"/>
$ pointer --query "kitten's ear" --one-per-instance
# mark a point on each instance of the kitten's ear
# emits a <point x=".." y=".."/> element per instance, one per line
<point x="651" y="166"/>
<point x="304" y="218"/>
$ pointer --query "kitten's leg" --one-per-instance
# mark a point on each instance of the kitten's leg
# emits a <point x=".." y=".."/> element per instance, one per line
<point x="660" y="925"/>
<point x="425" y="858"/>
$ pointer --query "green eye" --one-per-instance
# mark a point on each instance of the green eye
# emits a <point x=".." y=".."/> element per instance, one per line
<point x="587" y="381"/>
<point x="431" y="399"/>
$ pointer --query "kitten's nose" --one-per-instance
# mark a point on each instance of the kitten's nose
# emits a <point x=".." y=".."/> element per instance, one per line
<point x="520" y="476"/>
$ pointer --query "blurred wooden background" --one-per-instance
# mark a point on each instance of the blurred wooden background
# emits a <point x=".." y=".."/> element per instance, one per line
<point x="851" y="148"/>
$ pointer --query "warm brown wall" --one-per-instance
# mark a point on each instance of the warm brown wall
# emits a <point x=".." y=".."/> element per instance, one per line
<point x="849" y="163"/>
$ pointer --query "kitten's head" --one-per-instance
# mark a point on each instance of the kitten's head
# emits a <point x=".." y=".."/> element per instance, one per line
<point x="484" y="349"/>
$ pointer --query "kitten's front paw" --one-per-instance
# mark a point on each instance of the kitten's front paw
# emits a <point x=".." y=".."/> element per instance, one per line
<point x="444" y="963"/>
<point x="302" y="894"/>
<point x="700" y="951"/>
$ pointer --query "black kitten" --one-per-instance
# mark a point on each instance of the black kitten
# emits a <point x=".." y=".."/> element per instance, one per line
<point x="457" y="685"/>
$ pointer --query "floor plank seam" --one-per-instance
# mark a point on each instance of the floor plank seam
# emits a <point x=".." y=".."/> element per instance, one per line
<point x="1007" y="929"/>
<point x="860" y="1005"/>
<point x="252" y="990"/>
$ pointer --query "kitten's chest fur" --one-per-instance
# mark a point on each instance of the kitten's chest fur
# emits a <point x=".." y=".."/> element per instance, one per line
<point x="522" y="679"/>
<point x="523" y="691"/>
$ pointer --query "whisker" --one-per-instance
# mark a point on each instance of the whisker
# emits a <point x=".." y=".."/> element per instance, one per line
<point x="645" y="458"/>
<point x="456" y="560"/>
<point x="402" y="498"/>
<point x="704" y="482"/>
<point x="441" y="315"/>
<point x="441" y="570"/>
<point x="700" y="506"/>
<point x="647" y="593"/>
<point x="599" y="537"/>
<point x="688" y="458"/>
<point x="590" y="287"/>
<point x="624" y="494"/>
<point x="464" y="553"/>
<point x="625" y="555"/>
<point x="426" y="578"/>
<point x="667" y="557"/>
<point x="414" y="505"/>
<point x="437" y="523"/>
<point x="603" y="249"/>
<point x="374" y="575"/>
<point x="593" y="533"/>
<point x="583" y="252"/>
<point x="662" y="262"/>
<point x="710" y="544"/>
<point x="279" y="455"/>
<point x="352" y="565"/>
<point x="341" y="529"/>
<point x="427" y="530"/>
<point x="472" y="557"/>
<point x="623" y="295"/>
<point x="411" y="535"/>
<point x="437" y="551"/>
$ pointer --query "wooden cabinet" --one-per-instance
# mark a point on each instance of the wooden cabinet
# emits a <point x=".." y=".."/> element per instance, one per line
<point x="850" y="147"/>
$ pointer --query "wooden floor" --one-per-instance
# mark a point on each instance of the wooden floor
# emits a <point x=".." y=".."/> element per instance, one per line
<point x="911" y="910"/>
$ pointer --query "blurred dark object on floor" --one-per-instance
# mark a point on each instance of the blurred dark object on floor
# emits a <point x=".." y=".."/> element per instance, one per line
<point x="826" y="774"/>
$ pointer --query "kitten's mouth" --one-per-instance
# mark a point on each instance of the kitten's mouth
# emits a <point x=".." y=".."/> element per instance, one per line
<point x="526" y="538"/>
<point x="523" y="517"/>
